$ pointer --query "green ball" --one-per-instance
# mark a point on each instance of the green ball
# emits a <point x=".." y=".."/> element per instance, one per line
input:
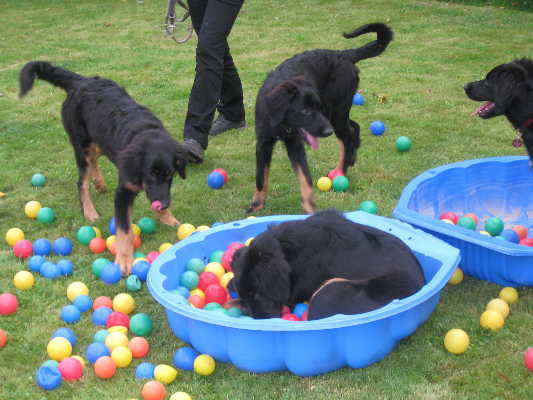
<point x="235" y="312"/>
<point x="138" y="254"/>
<point x="222" y="310"/>
<point x="46" y="215"/>
<point x="494" y="226"/>
<point x="86" y="234"/>
<point x="212" y="306"/>
<point x="195" y="265"/>
<point x="38" y="180"/>
<point x="146" y="225"/>
<point x="133" y="283"/>
<point x="369" y="206"/>
<point x="141" y="324"/>
<point x="403" y="143"/>
<point x="467" y="222"/>
<point x="98" y="265"/>
<point x="216" y="256"/>
<point x="340" y="183"/>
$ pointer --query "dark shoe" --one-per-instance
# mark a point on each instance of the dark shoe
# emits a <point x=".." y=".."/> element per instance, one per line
<point x="194" y="149"/>
<point x="222" y="125"/>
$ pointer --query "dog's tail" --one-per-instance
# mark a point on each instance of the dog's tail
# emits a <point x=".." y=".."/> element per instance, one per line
<point x="44" y="70"/>
<point x="371" y="49"/>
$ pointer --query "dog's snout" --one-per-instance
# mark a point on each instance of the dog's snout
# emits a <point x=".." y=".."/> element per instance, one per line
<point x="328" y="130"/>
<point x="466" y="86"/>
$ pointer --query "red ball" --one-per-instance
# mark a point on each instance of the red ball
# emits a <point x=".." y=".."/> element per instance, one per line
<point x="215" y="294"/>
<point x="226" y="259"/>
<point x="285" y="310"/>
<point x="139" y="347"/>
<point x="3" y="338"/>
<point x="97" y="245"/>
<point x="207" y="278"/>
<point x="529" y="359"/>
<point x="70" y="368"/>
<point x="334" y="173"/>
<point x="105" y="367"/>
<point x="290" y="317"/>
<point x="8" y="304"/>
<point x="23" y="249"/>
<point x="304" y="315"/>
<point x="113" y="248"/>
<point x="451" y="216"/>
<point x="136" y="241"/>
<point x="521" y="230"/>
<point x="152" y="256"/>
<point x="526" y="242"/>
<point x="234" y="246"/>
<point x="117" y="318"/>
<point x="102" y="301"/>
<point x="197" y="301"/>
<point x="223" y="173"/>
<point x="154" y="390"/>
<point x="473" y="216"/>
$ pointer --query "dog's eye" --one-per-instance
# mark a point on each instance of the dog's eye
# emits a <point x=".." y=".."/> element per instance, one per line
<point x="306" y="111"/>
<point x="168" y="174"/>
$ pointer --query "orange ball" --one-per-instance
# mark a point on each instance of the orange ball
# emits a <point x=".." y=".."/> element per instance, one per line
<point x="97" y="245"/>
<point x="139" y="347"/>
<point x="105" y="367"/>
<point x="113" y="248"/>
<point x="521" y="230"/>
<point x="473" y="216"/>
<point x="197" y="301"/>
<point x="136" y="241"/>
<point x="3" y="338"/>
<point x="154" y="390"/>
<point x="102" y="301"/>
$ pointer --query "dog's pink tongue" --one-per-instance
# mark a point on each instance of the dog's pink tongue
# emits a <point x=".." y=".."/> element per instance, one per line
<point x="486" y="105"/>
<point x="157" y="206"/>
<point x="313" y="141"/>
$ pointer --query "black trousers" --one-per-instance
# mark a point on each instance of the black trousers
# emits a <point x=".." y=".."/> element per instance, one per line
<point x="217" y="85"/>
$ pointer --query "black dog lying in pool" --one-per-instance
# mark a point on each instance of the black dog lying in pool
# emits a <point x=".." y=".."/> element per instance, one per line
<point x="353" y="268"/>
<point x="508" y="90"/>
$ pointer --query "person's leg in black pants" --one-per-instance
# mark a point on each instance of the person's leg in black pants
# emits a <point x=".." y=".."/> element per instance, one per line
<point x="217" y="83"/>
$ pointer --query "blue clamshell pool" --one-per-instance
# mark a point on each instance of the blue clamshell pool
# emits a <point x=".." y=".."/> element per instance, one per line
<point x="304" y="348"/>
<point x="490" y="187"/>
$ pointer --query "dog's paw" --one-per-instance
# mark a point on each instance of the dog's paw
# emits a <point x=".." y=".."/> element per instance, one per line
<point x="254" y="207"/>
<point x="166" y="218"/>
<point x="91" y="216"/>
<point x="125" y="263"/>
<point x="100" y="187"/>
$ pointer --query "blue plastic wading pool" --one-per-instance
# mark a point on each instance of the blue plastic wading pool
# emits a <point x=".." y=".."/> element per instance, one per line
<point x="304" y="348"/>
<point x="490" y="187"/>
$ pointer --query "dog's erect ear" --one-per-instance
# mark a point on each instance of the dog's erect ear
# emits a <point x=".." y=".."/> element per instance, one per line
<point x="130" y="163"/>
<point x="277" y="100"/>
<point x="180" y="160"/>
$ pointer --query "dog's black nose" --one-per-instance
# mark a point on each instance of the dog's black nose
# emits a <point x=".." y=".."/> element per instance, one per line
<point x="327" y="131"/>
<point x="465" y="87"/>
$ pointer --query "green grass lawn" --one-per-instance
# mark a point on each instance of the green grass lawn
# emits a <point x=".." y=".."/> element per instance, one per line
<point x="438" y="47"/>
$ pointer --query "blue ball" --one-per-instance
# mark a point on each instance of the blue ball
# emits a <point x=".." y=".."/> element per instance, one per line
<point x="70" y="314"/>
<point x="83" y="302"/>
<point x="101" y="335"/>
<point x="96" y="350"/>
<point x="141" y="268"/>
<point x="358" y="99"/>
<point x="184" y="358"/>
<point x="52" y="272"/>
<point x="111" y="274"/>
<point x="49" y="378"/>
<point x="215" y="180"/>
<point x="113" y="226"/>
<point x="44" y="266"/>
<point x="218" y="223"/>
<point x="67" y="334"/>
<point x="42" y="247"/>
<point x="36" y="262"/>
<point x="299" y="309"/>
<point x="510" y="235"/>
<point x="62" y="247"/>
<point x="65" y="266"/>
<point x="184" y="291"/>
<point x="100" y="315"/>
<point x="233" y="295"/>
<point x="145" y="371"/>
<point x="377" y="128"/>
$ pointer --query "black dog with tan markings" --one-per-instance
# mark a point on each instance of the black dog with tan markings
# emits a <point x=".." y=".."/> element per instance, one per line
<point x="309" y="96"/>
<point x="101" y="118"/>
<point x="353" y="268"/>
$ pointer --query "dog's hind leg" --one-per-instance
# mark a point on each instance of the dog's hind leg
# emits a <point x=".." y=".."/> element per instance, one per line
<point x="263" y="155"/>
<point x="349" y="142"/>
<point x="166" y="218"/>
<point x="92" y="158"/>
<point x="124" y="198"/>
<point x="299" y="164"/>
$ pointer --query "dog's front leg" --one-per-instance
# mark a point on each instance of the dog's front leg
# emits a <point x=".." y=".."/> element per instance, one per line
<point x="263" y="156"/>
<point x="298" y="159"/>
<point x="124" y="198"/>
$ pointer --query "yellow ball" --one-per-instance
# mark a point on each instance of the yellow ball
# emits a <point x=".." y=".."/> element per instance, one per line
<point x="204" y="364"/>
<point x="180" y="396"/>
<point x="198" y="292"/>
<point x="165" y="374"/>
<point x="75" y="289"/>
<point x="13" y="236"/>
<point x="251" y="217"/>
<point x="122" y="356"/>
<point x="216" y="268"/>
<point x="136" y="230"/>
<point x="247" y="243"/>
<point x="185" y="230"/>
<point x="164" y="247"/>
<point x="202" y="228"/>
<point x="491" y="319"/>
<point x="509" y="294"/>
<point x="23" y="280"/>
<point x="457" y="277"/>
<point x="81" y="360"/>
<point x="499" y="305"/>
<point x="32" y="208"/>
<point x="97" y="231"/>
<point x="117" y="328"/>
<point x="485" y="233"/>
<point x="110" y="240"/>
<point x="139" y="259"/>
<point x="324" y="184"/>
<point x="448" y="221"/>
<point x="115" y="339"/>
<point x="456" y="341"/>
<point x="59" y="348"/>
<point x="123" y="302"/>
<point x="228" y="276"/>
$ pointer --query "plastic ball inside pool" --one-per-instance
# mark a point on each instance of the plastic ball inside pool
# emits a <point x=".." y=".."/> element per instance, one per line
<point x="23" y="280"/>
<point x="403" y="143"/>
<point x="49" y="378"/>
<point x="499" y="305"/>
<point x="23" y="249"/>
<point x="467" y="222"/>
<point x="14" y="235"/>
<point x="67" y="334"/>
<point x="215" y="180"/>
<point x="358" y="99"/>
<point x="450" y="216"/>
<point x="38" y="180"/>
<point x="526" y="242"/>
<point x="494" y="226"/>
<point x="377" y="128"/>
<point x="42" y="247"/>
<point x="59" y="348"/>
<point x="32" y="208"/>
<point x="189" y="279"/>
<point x="184" y="358"/>
<point x="147" y="225"/>
<point x="457" y="277"/>
<point x="62" y="246"/>
<point x="456" y="341"/>
<point x="145" y="371"/>
<point x="185" y="230"/>
<point x="96" y="350"/>
<point x="510" y="235"/>
<point x="521" y="230"/>
<point x="491" y="319"/>
<point x="111" y="274"/>
<point x="204" y="364"/>
<point x="196" y="265"/>
<point x="509" y="294"/>
<point x="141" y="324"/>
<point x="369" y="206"/>
<point x="46" y="215"/>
